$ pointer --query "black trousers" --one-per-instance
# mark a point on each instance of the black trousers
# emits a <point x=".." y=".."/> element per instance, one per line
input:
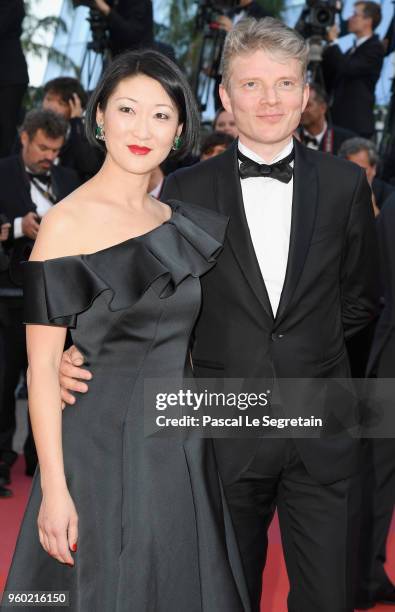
<point x="14" y="361"/>
<point x="11" y="98"/>
<point x="377" y="508"/>
<point x="319" y="528"/>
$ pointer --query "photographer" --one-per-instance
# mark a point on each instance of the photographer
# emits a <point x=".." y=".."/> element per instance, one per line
<point x="31" y="184"/>
<point x="351" y="77"/>
<point x="66" y="97"/>
<point x="130" y="23"/>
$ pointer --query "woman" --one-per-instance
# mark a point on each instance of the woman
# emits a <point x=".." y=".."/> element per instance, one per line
<point x="225" y="122"/>
<point x="131" y="523"/>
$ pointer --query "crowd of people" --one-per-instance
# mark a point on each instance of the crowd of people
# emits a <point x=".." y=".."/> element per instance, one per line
<point x="299" y="290"/>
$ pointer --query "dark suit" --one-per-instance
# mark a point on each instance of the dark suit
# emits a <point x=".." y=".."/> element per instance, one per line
<point x="351" y="79"/>
<point x="15" y="201"/>
<point x="379" y="477"/>
<point x="329" y="292"/>
<point x="13" y="71"/>
<point x="382" y="191"/>
<point x="131" y="25"/>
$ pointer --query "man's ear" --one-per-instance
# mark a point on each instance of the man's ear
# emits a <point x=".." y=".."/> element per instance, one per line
<point x="225" y="99"/>
<point x="24" y="138"/>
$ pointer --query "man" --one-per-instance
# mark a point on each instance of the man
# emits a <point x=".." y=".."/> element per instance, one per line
<point x="374" y="585"/>
<point x="315" y="132"/>
<point x="351" y="78"/>
<point x="66" y="96"/>
<point x="296" y="273"/>
<point x="30" y="185"/>
<point x="364" y="153"/>
<point x="13" y="72"/>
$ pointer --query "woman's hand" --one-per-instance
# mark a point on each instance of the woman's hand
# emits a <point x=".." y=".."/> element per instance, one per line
<point x="58" y="525"/>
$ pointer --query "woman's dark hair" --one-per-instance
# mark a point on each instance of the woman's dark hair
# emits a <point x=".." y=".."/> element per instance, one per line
<point x="156" y="66"/>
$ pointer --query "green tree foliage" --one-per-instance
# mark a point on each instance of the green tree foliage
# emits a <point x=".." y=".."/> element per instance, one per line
<point x="34" y="29"/>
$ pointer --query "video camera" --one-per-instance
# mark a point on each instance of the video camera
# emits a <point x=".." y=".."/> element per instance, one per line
<point x="208" y="10"/>
<point x="317" y="17"/>
<point x="98" y="25"/>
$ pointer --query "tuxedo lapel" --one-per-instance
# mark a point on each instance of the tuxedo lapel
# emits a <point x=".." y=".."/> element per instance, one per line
<point x="304" y="207"/>
<point x="230" y="202"/>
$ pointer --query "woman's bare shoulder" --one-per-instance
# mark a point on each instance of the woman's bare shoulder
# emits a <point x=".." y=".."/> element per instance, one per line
<point x="63" y="227"/>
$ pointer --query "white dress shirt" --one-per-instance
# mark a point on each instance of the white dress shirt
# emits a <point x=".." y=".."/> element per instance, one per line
<point x="268" y="208"/>
<point x="318" y="137"/>
<point x="42" y="205"/>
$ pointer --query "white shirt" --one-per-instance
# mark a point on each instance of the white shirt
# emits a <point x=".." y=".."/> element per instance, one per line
<point x="318" y="137"/>
<point x="42" y="205"/>
<point x="360" y="41"/>
<point x="268" y="208"/>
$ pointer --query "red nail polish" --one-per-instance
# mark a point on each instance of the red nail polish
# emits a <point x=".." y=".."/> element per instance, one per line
<point x="74" y="548"/>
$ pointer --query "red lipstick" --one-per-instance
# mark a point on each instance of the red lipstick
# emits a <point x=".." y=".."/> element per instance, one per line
<point x="136" y="150"/>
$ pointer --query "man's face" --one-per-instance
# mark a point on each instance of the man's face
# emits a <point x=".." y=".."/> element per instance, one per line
<point x="358" y="22"/>
<point x="40" y="151"/>
<point x="362" y="159"/>
<point x="314" y="112"/>
<point x="53" y="101"/>
<point x="266" y="95"/>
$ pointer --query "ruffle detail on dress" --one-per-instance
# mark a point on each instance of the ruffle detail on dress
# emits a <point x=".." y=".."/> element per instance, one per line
<point x="57" y="290"/>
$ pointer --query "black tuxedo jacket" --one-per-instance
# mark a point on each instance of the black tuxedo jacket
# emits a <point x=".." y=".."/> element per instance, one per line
<point x="13" y="68"/>
<point x="351" y="78"/>
<point x="329" y="291"/>
<point x="382" y="191"/>
<point x="15" y="201"/>
<point x="382" y="356"/>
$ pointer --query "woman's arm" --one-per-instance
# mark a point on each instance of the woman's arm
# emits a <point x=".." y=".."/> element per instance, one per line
<point x="57" y="520"/>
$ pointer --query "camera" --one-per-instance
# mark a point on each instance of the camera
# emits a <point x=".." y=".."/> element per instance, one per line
<point x="317" y="17"/>
<point x="98" y="25"/>
<point x="208" y="10"/>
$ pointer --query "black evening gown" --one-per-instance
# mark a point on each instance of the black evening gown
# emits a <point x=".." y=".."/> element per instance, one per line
<point x="154" y="533"/>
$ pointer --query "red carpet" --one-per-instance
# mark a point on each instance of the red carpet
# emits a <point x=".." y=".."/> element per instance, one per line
<point x="275" y="576"/>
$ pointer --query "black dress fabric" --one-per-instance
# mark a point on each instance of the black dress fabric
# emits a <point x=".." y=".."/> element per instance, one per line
<point x="154" y="533"/>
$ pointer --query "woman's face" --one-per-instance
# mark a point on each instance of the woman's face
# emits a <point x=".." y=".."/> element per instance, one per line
<point x="226" y="123"/>
<point x="140" y="122"/>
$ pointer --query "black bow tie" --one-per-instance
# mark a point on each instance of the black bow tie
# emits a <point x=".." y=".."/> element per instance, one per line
<point x="307" y="139"/>
<point x="281" y="170"/>
<point x="42" y="178"/>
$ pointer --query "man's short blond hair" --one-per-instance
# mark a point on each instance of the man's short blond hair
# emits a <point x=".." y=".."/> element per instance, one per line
<point x="269" y="35"/>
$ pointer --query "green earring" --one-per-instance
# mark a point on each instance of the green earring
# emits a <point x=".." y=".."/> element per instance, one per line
<point x="177" y="143"/>
<point x="100" y="132"/>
